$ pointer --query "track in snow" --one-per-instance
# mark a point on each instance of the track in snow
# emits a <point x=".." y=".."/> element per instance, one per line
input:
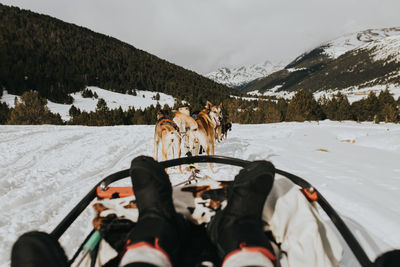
<point x="46" y="170"/>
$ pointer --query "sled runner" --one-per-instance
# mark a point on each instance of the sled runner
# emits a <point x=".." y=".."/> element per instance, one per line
<point x="198" y="201"/>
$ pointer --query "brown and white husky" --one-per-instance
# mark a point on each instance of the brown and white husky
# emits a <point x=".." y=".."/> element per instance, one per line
<point x="207" y="120"/>
<point x="186" y="125"/>
<point x="167" y="132"/>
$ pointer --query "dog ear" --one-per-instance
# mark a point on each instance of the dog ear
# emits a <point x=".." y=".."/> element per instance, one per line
<point x="220" y="106"/>
<point x="209" y="104"/>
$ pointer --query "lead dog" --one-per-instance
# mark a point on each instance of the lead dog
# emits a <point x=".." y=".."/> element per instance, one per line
<point x="225" y="128"/>
<point x="167" y="132"/>
<point x="222" y="130"/>
<point x="207" y="120"/>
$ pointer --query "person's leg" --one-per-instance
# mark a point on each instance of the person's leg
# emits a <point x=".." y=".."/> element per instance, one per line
<point x="237" y="231"/>
<point x="156" y="239"/>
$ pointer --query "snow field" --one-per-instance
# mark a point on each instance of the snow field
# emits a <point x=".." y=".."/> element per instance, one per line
<point x="46" y="170"/>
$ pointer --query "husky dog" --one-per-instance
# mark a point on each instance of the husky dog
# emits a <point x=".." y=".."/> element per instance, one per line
<point x="226" y="126"/>
<point x="207" y="120"/>
<point x="222" y="130"/>
<point x="168" y="133"/>
<point x="186" y="125"/>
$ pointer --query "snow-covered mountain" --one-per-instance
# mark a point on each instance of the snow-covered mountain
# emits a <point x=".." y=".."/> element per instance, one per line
<point x="341" y="45"/>
<point x="236" y="77"/>
<point x="249" y="78"/>
<point x="387" y="49"/>
<point x="360" y="61"/>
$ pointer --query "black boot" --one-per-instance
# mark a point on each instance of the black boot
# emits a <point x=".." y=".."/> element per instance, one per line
<point x="158" y="225"/>
<point x="388" y="259"/>
<point x="239" y="225"/>
<point x="38" y="249"/>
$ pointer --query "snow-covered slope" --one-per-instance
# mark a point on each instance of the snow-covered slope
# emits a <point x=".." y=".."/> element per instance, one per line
<point x="241" y="77"/>
<point x="353" y="64"/>
<point x="353" y="93"/>
<point x="236" y="77"/>
<point x="46" y="170"/>
<point x="341" y="45"/>
<point x="386" y="49"/>
<point x="142" y="100"/>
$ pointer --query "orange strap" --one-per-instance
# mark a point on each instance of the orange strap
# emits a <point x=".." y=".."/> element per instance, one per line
<point x="310" y="193"/>
<point x="115" y="192"/>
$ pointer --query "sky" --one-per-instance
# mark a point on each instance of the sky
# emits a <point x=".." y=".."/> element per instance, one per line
<point x="204" y="35"/>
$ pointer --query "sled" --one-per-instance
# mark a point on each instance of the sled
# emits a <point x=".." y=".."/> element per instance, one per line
<point x="213" y="198"/>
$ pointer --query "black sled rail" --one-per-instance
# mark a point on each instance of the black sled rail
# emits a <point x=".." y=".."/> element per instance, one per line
<point x="347" y="235"/>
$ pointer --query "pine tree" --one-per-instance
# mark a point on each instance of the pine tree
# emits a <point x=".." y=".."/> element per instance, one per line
<point x="33" y="110"/>
<point x="129" y="116"/>
<point x="4" y="113"/>
<point x="272" y="113"/>
<point x="73" y="111"/>
<point x="101" y="105"/>
<point x="87" y="93"/>
<point x="366" y="109"/>
<point x="117" y="116"/>
<point x="388" y="110"/>
<point x="371" y="106"/>
<point x="157" y="97"/>
<point x="282" y="107"/>
<point x="304" y="107"/>
<point x="343" y="108"/>
<point x="389" y="113"/>
<point x="102" y="116"/>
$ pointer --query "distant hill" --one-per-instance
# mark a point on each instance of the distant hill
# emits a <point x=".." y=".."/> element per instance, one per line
<point x="358" y="60"/>
<point x="57" y="58"/>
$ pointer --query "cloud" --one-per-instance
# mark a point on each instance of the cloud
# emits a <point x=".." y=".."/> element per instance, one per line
<point x="203" y="35"/>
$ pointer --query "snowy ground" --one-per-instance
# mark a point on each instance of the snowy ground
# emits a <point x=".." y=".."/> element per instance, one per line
<point x="46" y="170"/>
<point x="114" y="100"/>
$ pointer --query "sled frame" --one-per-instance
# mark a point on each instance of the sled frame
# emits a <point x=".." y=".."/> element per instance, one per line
<point x="347" y="235"/>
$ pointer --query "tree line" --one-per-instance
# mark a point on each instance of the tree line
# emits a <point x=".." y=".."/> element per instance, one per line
<point x="32" y="109"/>
<point x="304" y="107"/>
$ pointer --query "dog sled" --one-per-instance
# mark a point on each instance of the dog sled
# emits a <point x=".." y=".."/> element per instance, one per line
<point x="198" y="199"/>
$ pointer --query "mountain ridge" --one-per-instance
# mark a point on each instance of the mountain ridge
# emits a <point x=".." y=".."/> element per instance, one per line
<point x="295" y="74"/>
<point x="237" y="77"/>
<point x="350" y="61"/>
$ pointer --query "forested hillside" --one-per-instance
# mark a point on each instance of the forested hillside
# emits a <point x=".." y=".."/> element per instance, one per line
<point x="55" y="58"/>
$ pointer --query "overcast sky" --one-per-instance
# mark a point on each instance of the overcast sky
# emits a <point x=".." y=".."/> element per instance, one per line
<point x="204" y="35"/>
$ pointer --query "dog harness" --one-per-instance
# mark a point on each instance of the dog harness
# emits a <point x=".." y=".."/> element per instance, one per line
<point x="164" y="121"/>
